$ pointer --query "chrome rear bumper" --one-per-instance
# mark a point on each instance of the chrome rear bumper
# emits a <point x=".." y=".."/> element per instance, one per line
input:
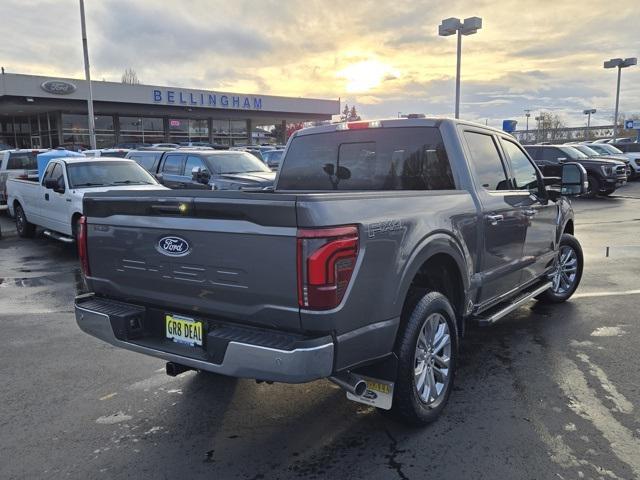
<point x="243" y="360"/>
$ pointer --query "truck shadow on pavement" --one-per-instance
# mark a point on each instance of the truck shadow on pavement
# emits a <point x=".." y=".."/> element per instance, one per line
<point x="239" y="429"/>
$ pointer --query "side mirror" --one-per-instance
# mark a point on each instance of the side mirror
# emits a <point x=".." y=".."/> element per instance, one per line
<point x="574" y="180"/>
<point x="50" y="184"/>
<point x="201" y="175"/>
<point x="562" y="159"/>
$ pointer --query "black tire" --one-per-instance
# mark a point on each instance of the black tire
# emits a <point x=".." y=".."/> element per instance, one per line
<point x="607" y="193"/>
<point x="408" y="406"/>
<point x="24" y="228"/>
<point x="554" y="295"/>
<point x="593" y="188"/>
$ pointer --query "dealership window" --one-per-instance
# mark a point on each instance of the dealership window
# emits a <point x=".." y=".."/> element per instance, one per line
<point x="229" y="132"/>
<point x="188" y="130"/>
<point x="75" y="131"/>
<point x="141" y="129"/>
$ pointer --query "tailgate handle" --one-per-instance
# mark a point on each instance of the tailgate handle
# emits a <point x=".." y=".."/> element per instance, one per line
<point x="46" y="197"/>
<point x="166" y="208"/>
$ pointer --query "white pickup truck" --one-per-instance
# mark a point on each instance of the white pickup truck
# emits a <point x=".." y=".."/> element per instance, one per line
<point x="55" y="202"/>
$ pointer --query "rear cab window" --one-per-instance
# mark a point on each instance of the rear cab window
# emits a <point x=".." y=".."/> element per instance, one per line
<point x="22" y="161"/>
<point x="396" y="158"/>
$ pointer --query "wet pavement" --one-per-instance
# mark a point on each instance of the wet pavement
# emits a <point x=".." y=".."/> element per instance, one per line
<point x="547" y="393"/>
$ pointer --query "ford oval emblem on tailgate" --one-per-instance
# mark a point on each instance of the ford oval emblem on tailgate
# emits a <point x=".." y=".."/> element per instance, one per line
<point x="173" y="246"/>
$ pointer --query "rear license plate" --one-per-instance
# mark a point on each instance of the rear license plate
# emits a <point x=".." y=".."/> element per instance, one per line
<point x="183" y="330"/>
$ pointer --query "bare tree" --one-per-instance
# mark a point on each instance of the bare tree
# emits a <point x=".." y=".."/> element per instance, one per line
<point x="550" y="125"/>
<point x="130" y="77"/>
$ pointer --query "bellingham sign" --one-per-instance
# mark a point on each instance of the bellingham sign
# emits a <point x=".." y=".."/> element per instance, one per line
<point x="204" y="99"/>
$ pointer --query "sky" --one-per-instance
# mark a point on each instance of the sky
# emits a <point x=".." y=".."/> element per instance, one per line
<point x="383" y="56"/>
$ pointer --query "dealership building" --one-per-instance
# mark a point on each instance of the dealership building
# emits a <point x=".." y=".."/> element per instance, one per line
<point x="48" y="112"/>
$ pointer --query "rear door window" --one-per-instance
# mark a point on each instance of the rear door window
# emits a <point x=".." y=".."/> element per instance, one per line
<point x="486" y="162"/>
<point x="22" y="161"/>
<point x="407" y="158"/>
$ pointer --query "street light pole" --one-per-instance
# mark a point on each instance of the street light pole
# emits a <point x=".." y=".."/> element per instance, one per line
<point x="458" y="62"/>
<point x="87" y="74"/>
<point x="619" y="63"/>
<point x="527" y="114"/>
<point x="451" y="26"/>
<point x="588" y="112"/>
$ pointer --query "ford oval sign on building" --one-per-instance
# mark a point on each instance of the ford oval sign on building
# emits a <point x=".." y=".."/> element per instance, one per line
<point x="58" y="87"/>
<point x="173" y="246"/>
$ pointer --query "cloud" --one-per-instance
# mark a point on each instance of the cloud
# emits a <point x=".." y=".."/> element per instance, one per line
<point x="545" y="57"/>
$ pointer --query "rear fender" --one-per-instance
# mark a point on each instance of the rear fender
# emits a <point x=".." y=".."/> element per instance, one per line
<point x="437" y="243"/>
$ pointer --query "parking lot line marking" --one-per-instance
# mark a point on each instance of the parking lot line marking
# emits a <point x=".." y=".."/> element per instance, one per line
<point x="619" y="400"/>
<point x="107" y="397"/>
<point x="606" y="294"/>
<point x="585" y="403"/>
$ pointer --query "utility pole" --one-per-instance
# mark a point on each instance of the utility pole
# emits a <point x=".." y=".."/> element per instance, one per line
<point x="527" y="114"/>
<point x="87" y="74"/>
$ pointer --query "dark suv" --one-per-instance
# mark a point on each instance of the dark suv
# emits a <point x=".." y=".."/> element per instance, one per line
<point x="604" y="175"/>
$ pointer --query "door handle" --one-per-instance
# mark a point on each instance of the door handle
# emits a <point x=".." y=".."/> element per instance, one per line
<point x="494" y="219"/>
<point x="46" y="197"/>
<point x="529" y="212"/>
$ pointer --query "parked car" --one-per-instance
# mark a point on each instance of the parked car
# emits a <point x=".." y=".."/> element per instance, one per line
<point x="55" y="203"/>
<point x="165" y="145"/>
<point x="381" y="241"/>
<point x="604" y="176"/>
<point x="16" y="163"/>
<point x="4" y="146"/>
<point x="593" y="153"/>
<point x="272" y="158"/>
<point x="107" y="152"/>
<point x="609" y="150"/>
<point x="212" y="170"/>
<point x="632" y="150"/>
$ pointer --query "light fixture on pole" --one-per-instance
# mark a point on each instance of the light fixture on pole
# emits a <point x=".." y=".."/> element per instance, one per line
<point x="527" y="114"/>
<point x="619" y="63"/>
<point x="451" y="26"/>
<point x="87" y="74"/>
<point x="588" y="112"/>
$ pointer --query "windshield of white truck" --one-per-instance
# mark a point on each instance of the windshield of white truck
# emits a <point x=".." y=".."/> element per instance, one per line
<point x="107" y="174"/>
<point x="406" y="158"/>
<point x="235" y="162"/>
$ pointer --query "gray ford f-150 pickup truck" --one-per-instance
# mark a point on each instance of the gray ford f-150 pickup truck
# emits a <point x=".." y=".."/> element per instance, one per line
<point x="379" y="242"/>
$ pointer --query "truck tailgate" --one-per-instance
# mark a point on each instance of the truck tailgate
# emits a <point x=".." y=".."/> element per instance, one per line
<point x="225" y="255"/>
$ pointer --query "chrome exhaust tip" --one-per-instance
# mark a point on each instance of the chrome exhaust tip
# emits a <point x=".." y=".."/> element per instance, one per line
<point x="350" y="383"/>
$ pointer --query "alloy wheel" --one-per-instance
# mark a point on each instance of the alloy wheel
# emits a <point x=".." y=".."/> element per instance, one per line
<point x="432" y="359"/>
<point x="566" y="270"/>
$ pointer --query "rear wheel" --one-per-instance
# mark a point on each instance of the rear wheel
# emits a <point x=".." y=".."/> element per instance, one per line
<point x="427" y="350"/>
<point x="567" y="273"/>
<point x="593" y="188"/>
<point x="24" y="228"/>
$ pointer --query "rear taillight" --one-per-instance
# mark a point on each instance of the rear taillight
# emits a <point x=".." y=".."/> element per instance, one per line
<point x="326" y="260"/>
<point x="83" y="254"/>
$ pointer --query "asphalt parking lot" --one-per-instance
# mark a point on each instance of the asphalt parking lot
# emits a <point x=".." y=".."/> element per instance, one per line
<point x="549" y="392"/>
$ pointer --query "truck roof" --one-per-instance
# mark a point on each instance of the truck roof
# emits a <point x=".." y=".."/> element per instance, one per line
<point x="71" y="160"/>
<point x="392" y="123"/>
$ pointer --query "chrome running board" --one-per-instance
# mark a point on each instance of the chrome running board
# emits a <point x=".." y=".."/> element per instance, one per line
<point x="58" y="236"/>
<point x="503" y="310"/>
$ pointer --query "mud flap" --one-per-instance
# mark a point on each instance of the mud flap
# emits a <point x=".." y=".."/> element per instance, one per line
<point x="379" y="393"/>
